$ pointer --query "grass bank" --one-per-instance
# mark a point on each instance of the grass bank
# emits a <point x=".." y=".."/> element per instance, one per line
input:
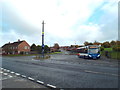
<point x="112" y="54"/>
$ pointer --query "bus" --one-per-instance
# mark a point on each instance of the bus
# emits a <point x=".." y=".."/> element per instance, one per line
<point x="90" y="51"/>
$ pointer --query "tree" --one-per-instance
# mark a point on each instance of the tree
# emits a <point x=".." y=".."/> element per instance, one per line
<point x="87" y="43"/>
<point x="33" y="47"/>
<point x="39" y="49"/>
<point x="118" y="42"/>
<point x="96" y="43"/>
<point x="112" y="43"/>
<point x="56" y="46"/>
<point x="106" y="44"/>
<point x="47" y="49"/>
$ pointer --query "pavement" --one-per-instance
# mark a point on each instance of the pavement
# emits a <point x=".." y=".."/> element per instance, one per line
<point x="11" y="79"/>
<point x="66" y="71"/>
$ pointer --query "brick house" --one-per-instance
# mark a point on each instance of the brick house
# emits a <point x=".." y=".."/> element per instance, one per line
<point x="19" y="47"/>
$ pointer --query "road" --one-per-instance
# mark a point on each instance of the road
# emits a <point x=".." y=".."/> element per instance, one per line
<point x="66" y="71"/>
<point x="12" y="80"/>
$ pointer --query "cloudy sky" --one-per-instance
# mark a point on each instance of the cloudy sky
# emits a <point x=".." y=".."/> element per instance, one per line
<point x="67" y="21"/>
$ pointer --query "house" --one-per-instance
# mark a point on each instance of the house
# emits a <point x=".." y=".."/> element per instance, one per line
<point x="19" y="47"/>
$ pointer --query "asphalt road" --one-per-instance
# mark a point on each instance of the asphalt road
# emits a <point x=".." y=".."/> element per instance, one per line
<point x="66" y="71"/>
<point x="13" y="80"/>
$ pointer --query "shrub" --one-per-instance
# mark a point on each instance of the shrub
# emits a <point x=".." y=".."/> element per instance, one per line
<point x="116" y="48"/>
<point x="101" y="48"/>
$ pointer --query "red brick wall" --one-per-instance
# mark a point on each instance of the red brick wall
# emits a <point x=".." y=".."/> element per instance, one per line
<point x="21" y="47"/>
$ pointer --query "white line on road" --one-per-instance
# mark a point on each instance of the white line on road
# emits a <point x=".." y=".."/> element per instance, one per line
<point x="23" y="76"/>
<point x="1" y="72"/>
<point x="12" y="72"/>
<point x="5" y="73"/>
<point x="40" y="82"/>
<point x="4" y="69"/>
<point x="8" y="70"/>
<point x="30" y="78"/>
<point x="10" y="76"/>
<point x="51" y="86"/>
<point x="101" y="73"/>
<point x="17" y="74"/>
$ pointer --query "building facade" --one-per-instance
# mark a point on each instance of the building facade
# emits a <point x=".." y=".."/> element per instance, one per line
<point x="19" y="47"/>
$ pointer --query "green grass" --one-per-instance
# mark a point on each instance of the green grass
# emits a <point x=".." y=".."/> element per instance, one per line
<point x="107" y="49"/>
<point x="113" y="54"/>
<point x="56" y="53"/>
<point x="15" y="55"/>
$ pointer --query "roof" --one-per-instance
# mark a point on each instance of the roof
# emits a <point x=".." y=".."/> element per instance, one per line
<point x="13" y="44"/>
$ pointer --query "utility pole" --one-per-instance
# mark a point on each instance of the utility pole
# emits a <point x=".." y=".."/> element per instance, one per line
<point x="43" y="39"/>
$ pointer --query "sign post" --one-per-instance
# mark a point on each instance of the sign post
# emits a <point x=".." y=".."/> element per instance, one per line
<point x="43" y="39"/>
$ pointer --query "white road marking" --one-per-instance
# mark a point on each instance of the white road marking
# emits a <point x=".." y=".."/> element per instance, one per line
<point x="40" y="82"/>
<point x="10" y="76"/>
<point x="5" y="73"/>
<point x="23" y="76"/>
<point x="1" y="72"/>
<point x="12" y="72"/>
<point x="30" y="78"/>
<point x="4" y="78"/>
<point x="17" y="74"/>
<point x="51" y="86"/>
<point x="101" y="73"/>
<point x="8" y="70"/>
<point x="4" y="69"/>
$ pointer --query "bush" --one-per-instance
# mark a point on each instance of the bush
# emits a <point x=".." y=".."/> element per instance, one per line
<point x="116" y="48"/>
<point x="101" y="48"/>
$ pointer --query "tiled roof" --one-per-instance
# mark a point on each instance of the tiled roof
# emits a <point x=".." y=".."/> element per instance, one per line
<point x="12" y="44"/>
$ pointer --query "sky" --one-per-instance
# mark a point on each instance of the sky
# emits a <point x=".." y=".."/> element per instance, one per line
<point x="67" y="22"/>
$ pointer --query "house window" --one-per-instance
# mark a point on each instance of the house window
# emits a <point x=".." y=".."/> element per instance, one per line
<point x="28" y="47"/>
<point x="25" y="47"/>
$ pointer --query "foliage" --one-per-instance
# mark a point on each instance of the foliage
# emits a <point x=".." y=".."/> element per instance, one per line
<point x="116" y="48"/>
<point x="101" y="48"/>
<point x="87" y="43"/>
<point x="33" y="47"/>
<point x="106" y="44"/>
<point x="38" y="48"/>
<point x="56" y="46"/>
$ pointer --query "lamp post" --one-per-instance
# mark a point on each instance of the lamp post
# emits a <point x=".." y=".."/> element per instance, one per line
<point x="43" y="39"/>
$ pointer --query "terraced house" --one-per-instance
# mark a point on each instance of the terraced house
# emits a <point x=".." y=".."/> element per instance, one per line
<point x="19" y="47"/>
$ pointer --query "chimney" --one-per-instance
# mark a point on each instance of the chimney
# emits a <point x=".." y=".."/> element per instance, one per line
<point x="18" y="40"/>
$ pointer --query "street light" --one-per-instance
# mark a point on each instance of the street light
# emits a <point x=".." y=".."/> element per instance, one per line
<point x="43" y="39"/>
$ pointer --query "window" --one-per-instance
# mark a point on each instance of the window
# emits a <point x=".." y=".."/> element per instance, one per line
<point x="28" y="47"/>
<point x="25" y="47"/>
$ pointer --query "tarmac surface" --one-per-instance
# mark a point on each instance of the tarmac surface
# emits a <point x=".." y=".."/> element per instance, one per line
<point x="66" y="71"/>
<point x="13" y="80"/>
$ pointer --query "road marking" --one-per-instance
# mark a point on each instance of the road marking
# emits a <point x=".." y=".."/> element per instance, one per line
<point x="12" y="72"/>
<point x="17" y="74"/>
<point x="23" y="76"/>
<point x="8" y="70"/>
<point x="51" y="86"/>
<point x="5" y="73"/>
<point x="1" y="72"/>
<point x="4" y="78"/>
<point x="101" y="73"/>
<point x="40" y="82"/>
<point x="30" y="78"/>
<point x="4" y="69"/>
<point x="10" y="76"/>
